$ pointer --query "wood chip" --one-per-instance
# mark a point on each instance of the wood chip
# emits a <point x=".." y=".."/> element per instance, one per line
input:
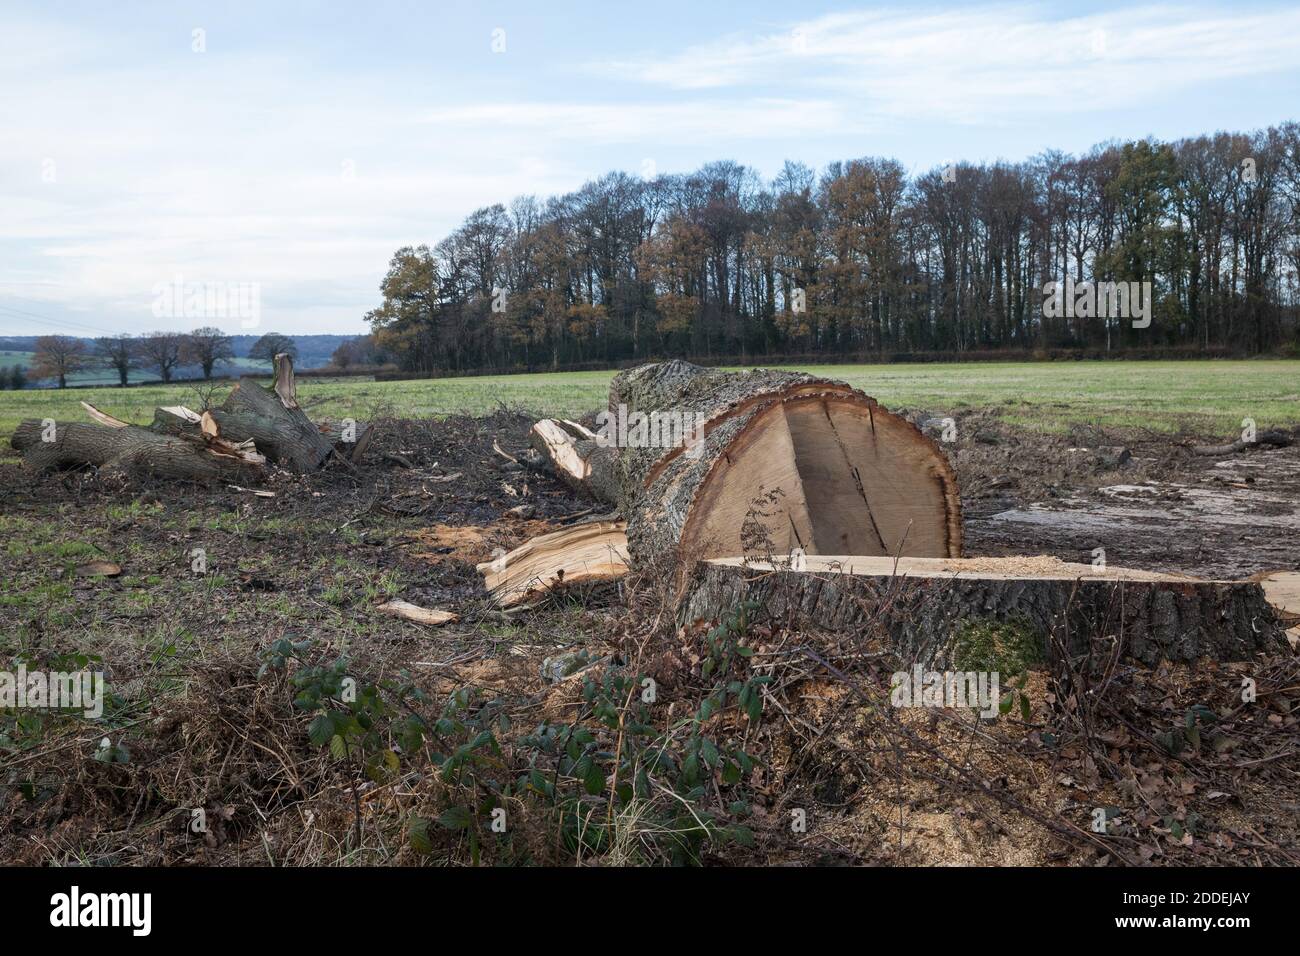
<point x="420" y="615"/>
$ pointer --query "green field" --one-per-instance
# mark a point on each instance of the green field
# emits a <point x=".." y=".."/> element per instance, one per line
<point x="1209" y="396"/>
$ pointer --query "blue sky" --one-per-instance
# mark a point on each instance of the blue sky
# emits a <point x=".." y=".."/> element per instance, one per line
<point x="307" y="141"/>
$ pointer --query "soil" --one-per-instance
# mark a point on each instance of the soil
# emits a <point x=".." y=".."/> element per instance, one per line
<point x="1167" y="509"/>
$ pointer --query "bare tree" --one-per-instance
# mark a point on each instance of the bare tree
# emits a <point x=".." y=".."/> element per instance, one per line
<point x="161" y="350"/>
<point x="270" y="345"/>
<point x="119" y="353"/>
<point x="58" y="356"/>
<point x="206" y="347"/>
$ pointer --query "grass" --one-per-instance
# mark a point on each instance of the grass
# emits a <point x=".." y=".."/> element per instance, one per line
<point x="1212" y="396"/>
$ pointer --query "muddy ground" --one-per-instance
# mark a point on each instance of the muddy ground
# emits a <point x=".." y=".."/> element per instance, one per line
<point x="1166" y="508"/>
<point x="1188" y="773"/>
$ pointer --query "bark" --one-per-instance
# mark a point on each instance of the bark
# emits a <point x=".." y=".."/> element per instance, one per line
<point x="131" y="450"/>
<point x="272" y="419"/>
<point x="923" y="606"/>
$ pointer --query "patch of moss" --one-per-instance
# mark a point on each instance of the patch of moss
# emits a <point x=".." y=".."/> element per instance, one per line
<point x="1008" y="647"/>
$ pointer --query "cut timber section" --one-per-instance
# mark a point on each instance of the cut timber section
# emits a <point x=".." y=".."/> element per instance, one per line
<point x="853" y="479"/>
<point x="706" y="463"/>
<point x="584" y="553"/>
<point x="922" y="604"/>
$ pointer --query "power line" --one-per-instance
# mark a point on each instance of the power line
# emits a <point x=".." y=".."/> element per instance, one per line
<point x="56" y="323"/>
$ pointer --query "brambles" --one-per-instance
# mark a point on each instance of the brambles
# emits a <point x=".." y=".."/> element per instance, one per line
<point x="622" y="776"/>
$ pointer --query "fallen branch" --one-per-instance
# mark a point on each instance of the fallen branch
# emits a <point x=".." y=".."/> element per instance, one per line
<point x="1274" y="439"/>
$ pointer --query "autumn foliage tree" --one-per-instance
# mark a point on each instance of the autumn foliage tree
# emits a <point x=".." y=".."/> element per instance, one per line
<point x="58" y="356"/>
<point x="861" y="259"/>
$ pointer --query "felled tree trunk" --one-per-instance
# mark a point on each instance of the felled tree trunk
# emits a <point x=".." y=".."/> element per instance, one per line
<point x="272" y="419"/>
<point x="581" y="461"/>
<point x="130" y="450"/>
<point x="924" y="605"/>
<point x="705" y="463"/>
<point x="232" y="442"/>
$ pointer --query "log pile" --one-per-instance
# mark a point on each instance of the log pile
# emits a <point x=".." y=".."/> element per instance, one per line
<point x="254" y="427"/>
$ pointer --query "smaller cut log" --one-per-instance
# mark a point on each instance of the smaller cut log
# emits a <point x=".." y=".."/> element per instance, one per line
<point x="593" y="551"/>
<point x="1273" y="439"/>
<point x="922" y="604"/>
<point x="574" y="454"/>
<point x="273" y="420"/>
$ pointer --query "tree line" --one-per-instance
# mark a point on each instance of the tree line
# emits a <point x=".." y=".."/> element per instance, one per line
<point x="57" y="357"/>
<point x="863" y="260"/>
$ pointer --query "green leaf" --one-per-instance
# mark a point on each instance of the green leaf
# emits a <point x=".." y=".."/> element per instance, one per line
<point x="455" y="818"/>
<point x="418" y="834"/>
<point x="709" y="751"/>
<point x="321" y="730"/>
<point x="594" y="781"/>
<point x="742" y="835"/>
<point x="691" y="769"/>
<point x="1025" y="710"/>
<point x="338" y="747"/>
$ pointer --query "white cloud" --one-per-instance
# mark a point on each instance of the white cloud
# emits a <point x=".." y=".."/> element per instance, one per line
<point x="759" y="118"/>
<point x="987" y="62"/>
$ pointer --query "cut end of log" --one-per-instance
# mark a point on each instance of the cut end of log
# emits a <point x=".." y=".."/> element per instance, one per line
<point x="848" y="476"/>
<point x="584" y="553"/>
<point x="208" y="426"/>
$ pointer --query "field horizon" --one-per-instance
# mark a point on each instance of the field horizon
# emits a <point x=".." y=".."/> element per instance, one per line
<point x="1211" y="396"/>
